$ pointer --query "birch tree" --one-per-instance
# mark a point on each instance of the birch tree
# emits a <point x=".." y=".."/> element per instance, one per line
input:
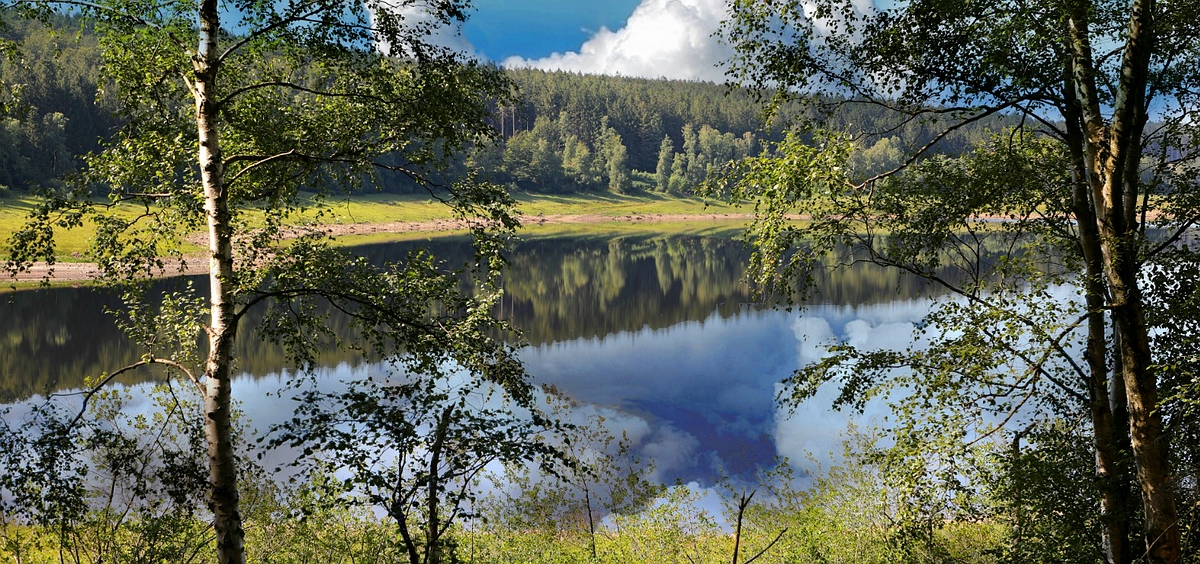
<point x="244" y="117"/>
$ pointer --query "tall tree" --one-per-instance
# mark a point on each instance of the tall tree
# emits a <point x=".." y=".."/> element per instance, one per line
<point x="1090" y="75"/>
<point x="233" y="109"/>
<point x="666" y="156"/>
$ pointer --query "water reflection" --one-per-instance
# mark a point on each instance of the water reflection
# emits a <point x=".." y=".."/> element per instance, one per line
<point x="557" y="289"/>
<point x="658" y="330"/>
<point x="697" y="397"/>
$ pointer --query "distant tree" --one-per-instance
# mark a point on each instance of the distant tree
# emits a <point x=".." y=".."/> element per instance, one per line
<point x="578" y="162"/>
<point x="616" y="159"/>
<point x="678" y="183"/>
<point x="886" y="154"/>
<point x="693" y="166"/>
<point x="666" y="157"/>
<point x="716" y="149"/>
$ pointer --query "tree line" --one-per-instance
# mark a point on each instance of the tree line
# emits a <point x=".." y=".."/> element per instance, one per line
<point x="571" y="132"/>
<point x="563" y="133"/>
<point x="57" y="110"/>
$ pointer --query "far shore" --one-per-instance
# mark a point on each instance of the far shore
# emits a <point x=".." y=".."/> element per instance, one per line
<point x="67" y="272"/>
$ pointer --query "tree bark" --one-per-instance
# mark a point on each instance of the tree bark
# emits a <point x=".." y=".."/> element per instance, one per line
<point x="1111" y="150"/>
<point x="1145" y="423"/>
<point x="218" y="431"/>
<point x="1107" y="434"/>
<point x="433" y="528"/>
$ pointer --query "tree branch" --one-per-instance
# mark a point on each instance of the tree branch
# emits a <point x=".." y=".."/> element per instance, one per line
<point x="293" y="86"/>
<point x="89" y="394"/>
<point x="272" y="27"/>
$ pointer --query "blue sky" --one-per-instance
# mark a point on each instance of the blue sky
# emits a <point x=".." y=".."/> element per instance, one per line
<point x="646" y="38"/>
<point x="533" y="29"/>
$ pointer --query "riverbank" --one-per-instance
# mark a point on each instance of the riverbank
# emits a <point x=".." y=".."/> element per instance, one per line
<point x="381" y="217"/>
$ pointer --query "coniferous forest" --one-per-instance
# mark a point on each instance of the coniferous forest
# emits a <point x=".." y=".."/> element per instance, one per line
<point x="566" y="133"/>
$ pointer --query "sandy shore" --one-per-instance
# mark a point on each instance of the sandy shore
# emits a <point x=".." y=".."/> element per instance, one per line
<point x="83" y="271"/>
<point x="459" y="225"/>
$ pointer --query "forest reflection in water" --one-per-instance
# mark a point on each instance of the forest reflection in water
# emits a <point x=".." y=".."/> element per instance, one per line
<point x="556" y="290"/>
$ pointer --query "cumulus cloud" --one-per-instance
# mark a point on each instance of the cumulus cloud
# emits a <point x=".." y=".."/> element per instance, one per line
<point x="661" y="39"/>
<point x="447" y="36"/>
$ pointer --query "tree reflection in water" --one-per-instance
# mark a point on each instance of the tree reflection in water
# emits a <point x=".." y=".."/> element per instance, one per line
<point x="658" y="331"/>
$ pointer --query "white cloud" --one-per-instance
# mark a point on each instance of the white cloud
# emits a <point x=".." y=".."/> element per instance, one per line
<point x="441" y="35"/>
<point x="662" y="38"/>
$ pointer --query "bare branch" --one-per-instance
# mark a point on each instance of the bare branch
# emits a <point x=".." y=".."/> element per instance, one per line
<point x="293" y="86"/>
<point x="259" y="160"/>
<point x="89" y="394"/>
<point x="778" y="537"/>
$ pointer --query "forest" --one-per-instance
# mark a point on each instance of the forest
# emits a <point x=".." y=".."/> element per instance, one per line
<point x="564" y="133"/>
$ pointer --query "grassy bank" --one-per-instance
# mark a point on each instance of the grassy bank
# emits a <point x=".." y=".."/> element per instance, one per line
<point x="673" y="530"/>
<point x="383" y="209"/>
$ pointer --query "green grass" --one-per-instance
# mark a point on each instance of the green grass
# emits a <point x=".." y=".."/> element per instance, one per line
<point x="614" y="205"/>
<point x="388" y="208"/>
<point x="718" y="227"/>
<point x="13" y="213"/>
<point x="385" y="208"/>
<point x="382" y="208"/>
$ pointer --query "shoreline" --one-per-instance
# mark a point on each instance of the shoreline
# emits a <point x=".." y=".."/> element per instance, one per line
<point x="68" y="272"/>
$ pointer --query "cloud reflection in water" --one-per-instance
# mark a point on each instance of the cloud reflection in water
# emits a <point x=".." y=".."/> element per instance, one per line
<point x="699" y="397"/>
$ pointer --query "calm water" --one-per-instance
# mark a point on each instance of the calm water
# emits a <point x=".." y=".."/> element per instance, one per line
<point x="657" y="332"/>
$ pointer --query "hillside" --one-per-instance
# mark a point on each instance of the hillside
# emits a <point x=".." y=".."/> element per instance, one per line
<point x="569" y="133"/>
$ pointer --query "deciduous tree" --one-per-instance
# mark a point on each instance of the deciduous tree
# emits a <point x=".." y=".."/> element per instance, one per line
<point x="1105" y="170"/>
<point x="242" y="118"/>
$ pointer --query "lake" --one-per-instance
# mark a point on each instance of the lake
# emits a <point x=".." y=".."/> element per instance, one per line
<point x="657" y="332"/>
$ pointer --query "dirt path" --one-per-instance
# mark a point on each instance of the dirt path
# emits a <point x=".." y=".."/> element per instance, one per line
<point x="528" y="220"/>
<point x="83" y="271"/>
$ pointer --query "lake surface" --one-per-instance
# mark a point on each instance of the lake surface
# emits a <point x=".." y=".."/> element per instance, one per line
<point x="657" y="332"/>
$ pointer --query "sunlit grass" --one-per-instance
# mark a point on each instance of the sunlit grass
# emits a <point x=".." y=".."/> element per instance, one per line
<point x="71" y="245"/>
<point x="386" y="208"/>
<point x="379" y="209"/>
<point x="14" y="213"/>
<point x="614" y="205"/>
<point x="719" y="227"/>
<point x="533" y="230"/>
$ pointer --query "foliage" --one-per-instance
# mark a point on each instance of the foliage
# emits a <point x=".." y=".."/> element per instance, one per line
<point x="413" y="445"/>
<point x="314" y="523"/>
<point x="1106" y="90"/>
<point x="69" y="109"/>
<point x="118" y="485"/>
<point x="230" y="126"/>
<point x="990" y="355"/>
<point x="58" y="112"/>
<point x="845" y="515"/>
<point x="850" y="512"/>
<point x="1037" y="495"/>
<point x="597" y="478"/>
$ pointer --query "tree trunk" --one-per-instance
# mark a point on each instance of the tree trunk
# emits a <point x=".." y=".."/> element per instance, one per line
<point x="1110" y="474"/>
<point x="218" y="432"/>
<point x="1107" y="434"/>
<point x="1111" y="149"/>
<point x="433" y="527"/>
<point x="1145" y="423"/>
